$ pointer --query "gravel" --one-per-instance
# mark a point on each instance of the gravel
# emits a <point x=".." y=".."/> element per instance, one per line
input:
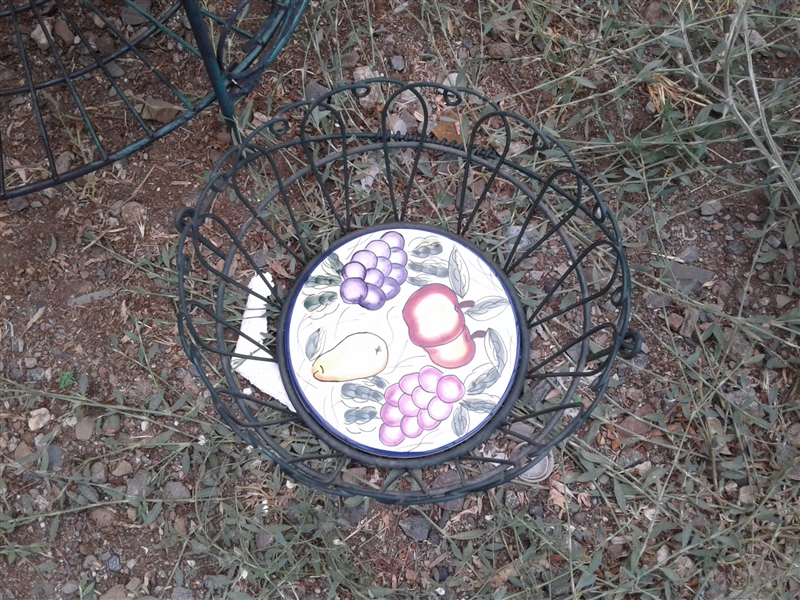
<point x="113" y="563"/>
<point x="136" y="487"/>
<point x="689" y="254"/>
<point x="709" y="209"/>
<point x="130" y="16"/>
<point x="38" y="418"/>
<point x="398" y="63"/>
<point x="511" y="500"/>
<point x="630" y="458"/>
<point x="416" y="527"/>
<point x="175" y="490"/>
<point x="55" y="458"/>
<point x="17" y="204"/>
<point x="180" y="593"/>
<point x="98" y="473"/>
<point x="500" y="50"/>
<point x="687" y="274"/>
<point x="84" y="429"/>
<point x="736" y="248"/>
<point x="349" y="60"/>
<point x="104" y="517"/>
<point x="264" y="539"/>
<point x="315" y="90"/>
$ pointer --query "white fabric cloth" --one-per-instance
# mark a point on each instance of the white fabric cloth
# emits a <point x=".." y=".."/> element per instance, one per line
<point x="264" y="375"/>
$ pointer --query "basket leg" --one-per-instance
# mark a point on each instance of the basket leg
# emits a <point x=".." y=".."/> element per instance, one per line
<point x="211" y="64"/>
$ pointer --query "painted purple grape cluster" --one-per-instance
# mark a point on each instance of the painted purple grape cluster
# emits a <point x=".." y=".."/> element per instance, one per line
<point x="375" y="274"/>
<point x="419" y="402"/>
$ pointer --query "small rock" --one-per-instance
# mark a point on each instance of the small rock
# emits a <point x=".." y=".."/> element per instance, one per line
<point x="131" y="16"/>
<point x="787" y="456"/>
<point x="447" y="479"/>
<point x="738" y="344"/>
<point x="349" y="60"/>
<point x="117" y="72"/>
<point x="536" y="510"/>
<point x="656" y="301"/>
<point x="686" y="274"/>
<point x="527" y="239"/>
<point x="690" y="318"/>
<point x="650" y="108"/>
<point x="159" y="110"/>
<point x="175" y="490"/>
<point x="118" y="592"/>
<point x="90" y="562"/>
<point x="630" y="458"/>
<point x="736" y="248"/>
<point x="38" y="419"/>
<point x="30" y="362"/>
<point x="21" y="451"/>
<point x="180" y="593"/>
<point x="355" y="514"/>
<point x="654" y="14"/>
<point x="113" y="563"/>
<point x="774" y="241"/>
<point x="38" y="35"/>
<point x="123" y="468"/>
<point x="398" y="63"/>
<point x="315" y="90"/>
<point x="264" y="539"/>
<point x="37" y="374"/>
<point x="63" y="31"/>
<point x="711" y="208"/>
<point x="416" y="527"/>
<point x="84" y="429"/>
<point x="69" y="587"/>
<point x="17" y="204"/>
<point x="500" y="50"/>
<point x="103" y="517"/>
<point x="133" y="584"/>
<point x="372" y="99"/>
<point x="105" y="45"/>
<point x="511" y="500"/>
<point x="631" y="424"/>
<point x="746" y="401"/>
<point x="55" y="458"/>
<point x="675" y="321"/>
<point x="689" y="254"/>
<point x="64" y="162"/>
<point x="98" y="473"/>
<point x="136" y="488"/>
<point x="87" y="299"/>
<point x="746" y="495"/>
<point x="182" y="526"/>
<point x="782" y="300"/>
<point x="133" y="212"/>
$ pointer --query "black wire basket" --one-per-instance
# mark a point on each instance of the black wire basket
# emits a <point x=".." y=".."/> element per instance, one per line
<point x="84" y="84"/>
<point x="402" y="291"/>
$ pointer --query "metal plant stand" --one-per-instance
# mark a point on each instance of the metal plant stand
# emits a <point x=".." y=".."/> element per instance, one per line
<point x="402" y="291"/>
<point x="84" y="84"/>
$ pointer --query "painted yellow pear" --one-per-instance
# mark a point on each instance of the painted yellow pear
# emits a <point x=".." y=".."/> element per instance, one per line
<point x="357" y="356"/>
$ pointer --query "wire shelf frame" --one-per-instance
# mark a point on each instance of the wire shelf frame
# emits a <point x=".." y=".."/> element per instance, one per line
<point x="382" y="152"/>
<point x="84" y="84"/>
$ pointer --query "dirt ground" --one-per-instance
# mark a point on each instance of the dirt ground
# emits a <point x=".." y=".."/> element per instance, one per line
<point x="82" y="285"/>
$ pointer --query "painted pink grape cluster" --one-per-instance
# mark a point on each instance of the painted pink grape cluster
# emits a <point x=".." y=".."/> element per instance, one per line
<point x="419" y="402"/>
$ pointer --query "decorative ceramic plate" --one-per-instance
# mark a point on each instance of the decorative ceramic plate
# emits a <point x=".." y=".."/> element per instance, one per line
<point x="415" y="350"/>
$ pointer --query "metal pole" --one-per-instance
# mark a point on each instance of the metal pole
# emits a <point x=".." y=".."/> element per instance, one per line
<point x="209" y="57"/>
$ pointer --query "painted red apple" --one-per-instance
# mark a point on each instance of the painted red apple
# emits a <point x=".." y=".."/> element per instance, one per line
<point x="435" y="322"/>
